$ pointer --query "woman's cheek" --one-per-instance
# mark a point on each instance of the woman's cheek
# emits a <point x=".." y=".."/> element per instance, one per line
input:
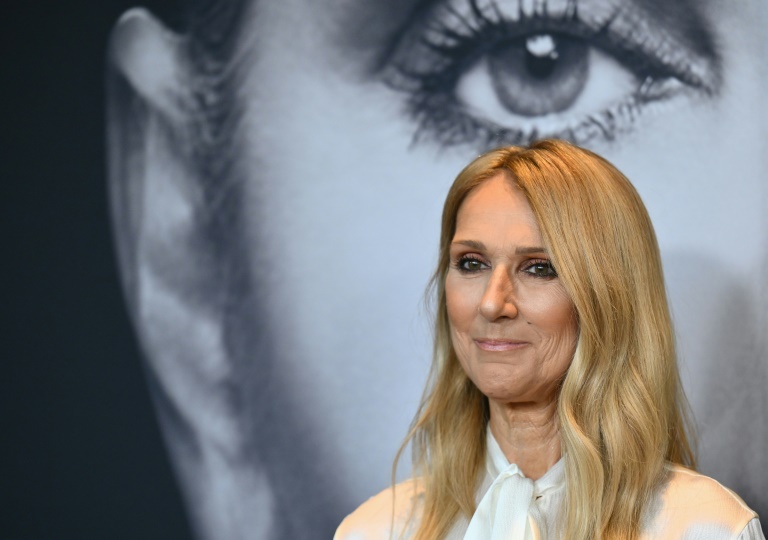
<point x="462" y="298"/>
<point x="549" y="307"/>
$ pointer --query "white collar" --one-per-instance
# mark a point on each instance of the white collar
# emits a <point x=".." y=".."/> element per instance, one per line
<point x="509" y="509"/>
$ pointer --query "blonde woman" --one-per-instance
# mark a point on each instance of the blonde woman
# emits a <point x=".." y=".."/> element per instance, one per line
<point x="555" y="408"/>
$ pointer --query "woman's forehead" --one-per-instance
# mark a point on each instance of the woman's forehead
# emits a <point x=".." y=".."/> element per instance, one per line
<point x="497" y="209"/>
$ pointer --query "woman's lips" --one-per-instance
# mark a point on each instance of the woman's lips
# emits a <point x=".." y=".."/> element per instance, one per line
<point x="493" y="345"/>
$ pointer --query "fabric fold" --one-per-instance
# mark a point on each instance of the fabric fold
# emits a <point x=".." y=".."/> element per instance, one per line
<point x="510" y="504"/>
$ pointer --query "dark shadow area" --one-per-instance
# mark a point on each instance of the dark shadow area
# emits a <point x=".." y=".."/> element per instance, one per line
<point x="82" y="453"/>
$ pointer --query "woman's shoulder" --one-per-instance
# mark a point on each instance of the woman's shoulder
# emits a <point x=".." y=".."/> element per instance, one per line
<point x="691" y="489"/>
<point x="690" y="502"/>
<point x="374" y="518"/>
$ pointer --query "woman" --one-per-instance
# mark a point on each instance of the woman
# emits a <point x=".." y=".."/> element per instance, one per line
<point x="555" y="409"/>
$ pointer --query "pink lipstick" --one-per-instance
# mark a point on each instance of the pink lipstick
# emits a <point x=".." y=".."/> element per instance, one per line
<point x="494" y="345"/>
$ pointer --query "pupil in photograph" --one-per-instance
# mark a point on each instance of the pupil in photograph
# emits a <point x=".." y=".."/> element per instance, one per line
<point x="541" y="55"/>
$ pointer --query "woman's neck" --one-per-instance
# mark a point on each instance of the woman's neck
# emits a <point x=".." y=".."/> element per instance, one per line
<point x="528" y="434"/>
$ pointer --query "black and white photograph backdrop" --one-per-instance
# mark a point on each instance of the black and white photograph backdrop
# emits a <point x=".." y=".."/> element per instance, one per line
<point x="221" y="217"/>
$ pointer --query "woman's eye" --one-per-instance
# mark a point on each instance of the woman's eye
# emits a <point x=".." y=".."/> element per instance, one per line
<point x="493" y="72"/>
<point x="541" y="75"/>
<point x="470" y="264"/>
<point x="529" y="76"/>
<point x="541" y="269"/>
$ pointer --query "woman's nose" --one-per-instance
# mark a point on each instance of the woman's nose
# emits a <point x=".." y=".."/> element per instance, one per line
<point x="499" y="297"/>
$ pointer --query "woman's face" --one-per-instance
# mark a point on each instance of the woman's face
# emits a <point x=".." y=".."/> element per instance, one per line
<point x="513" y="325"/>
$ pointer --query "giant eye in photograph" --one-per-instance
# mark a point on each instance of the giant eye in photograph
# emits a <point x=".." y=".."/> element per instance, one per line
<point x="493" y="72"/>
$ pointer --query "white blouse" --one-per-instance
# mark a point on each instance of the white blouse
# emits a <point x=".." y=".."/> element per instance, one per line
<point x="687" y="506"/>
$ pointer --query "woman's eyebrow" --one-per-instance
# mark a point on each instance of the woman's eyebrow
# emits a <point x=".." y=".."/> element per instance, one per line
<point x="474" y="244"/>
<point x="520" y="250"/>
<point x="526" y="250"/>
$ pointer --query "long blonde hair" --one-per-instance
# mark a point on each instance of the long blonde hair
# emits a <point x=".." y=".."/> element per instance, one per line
<point x="621" y="407"/>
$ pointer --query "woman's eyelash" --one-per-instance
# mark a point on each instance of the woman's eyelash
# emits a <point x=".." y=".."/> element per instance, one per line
<point x="469" y="264"/>
<point x="540" y="268"/>
<point x="432" y="64"/>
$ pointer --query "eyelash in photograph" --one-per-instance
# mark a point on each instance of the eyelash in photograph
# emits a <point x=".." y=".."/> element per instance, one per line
<point x="433" y="59"/>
